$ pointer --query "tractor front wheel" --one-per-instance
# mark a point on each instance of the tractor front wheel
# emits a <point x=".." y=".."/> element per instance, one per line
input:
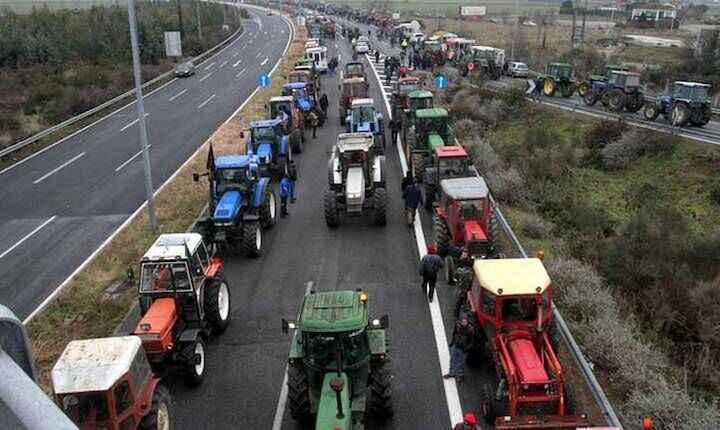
<point x="194" y="357"/>
<point x="252" y="239"/>
<point x="160" y="415"/>
<point x="380" y="206"/>
<point x="489" y="404"/>
<point x="616" y="100"/>
<point x="634" y="103"/>
<point x="332" y="214"/>
<point x="449" y="270"/>
<point x="296" y="141"/>
<point x="298" y="394"/>
<point x="217" y="303"/>
<point x="569" y="398"/>
<point x="381" y="406"/>
<point x="651" y="111"/>
<point x="590" y="98"/>
<point x="268" y="211"/>
<point x="442" y="235"/>
<point x="583" y="89"/>
<point x="549" y="87"/>
<point x="418" y="166"/>
<point x="680" y="115"/>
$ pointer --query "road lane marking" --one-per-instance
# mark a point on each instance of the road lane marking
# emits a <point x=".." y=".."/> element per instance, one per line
<point x="177" y="95"/>
<point x="264" y="61"/>
<point x="133" y="123"/>
<point x="241" y="72"/>
<point x="258" y="54"/>
<point x="118" y="168"/>
<point x="206" y="101"/>
<point x="235" y="54"/>
<point x="282" y="401"/>
<point x="206" y="76"/>
<point x="58" y="168"/>
<point x="236" y="64"/>
<point x="27" y="236"/>
<point x="243" y="47"/>
<point x="223" y="63"/>
<point x="210" y="65"/>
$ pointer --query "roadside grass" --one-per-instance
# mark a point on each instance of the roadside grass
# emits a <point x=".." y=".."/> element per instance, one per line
<point x="83" y="310"/>
<point x="650" y="55"/>
<point x="451" y="8"/>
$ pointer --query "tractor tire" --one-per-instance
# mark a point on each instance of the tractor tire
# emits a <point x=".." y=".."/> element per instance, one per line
<point x="268" y="211"/>
<point x="298" y="393"/>
<point x="634" y="103"/>
<point x="442" y="236"/>
<point x="590" y="98"/>
<point x="651" y="111"/>
<point x="679" y="115"/>
<point x="296" y="141"/>
<point x="569" y="398"/>
<point x="429" y="197"/>
<point x="160" y="415"/>
<point x="489" y="404"/>
<point x="449" y="271"/>
<point x="549" y="87"/>
<point x="700" y="116"/>
<point x="194" y="372"/>
<point x="252" y="239"/>
<point x="616" y="100"/>
<point x="418" y="166"/>
<point x="493" y="235"/>
<point x="217" y="303"/>
<point x="380" y="206"/>
<point x="381" y="407"/>
<point x="321" y="117"/>
<point x="332" y="214"/>
<point x="567" y="90"/>
<point x="583" y="89"/>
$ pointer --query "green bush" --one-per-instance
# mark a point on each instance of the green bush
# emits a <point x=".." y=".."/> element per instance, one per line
<point x="634" y="144"/>
<point x="40" y="95"/>
<point x="715" y="192"/>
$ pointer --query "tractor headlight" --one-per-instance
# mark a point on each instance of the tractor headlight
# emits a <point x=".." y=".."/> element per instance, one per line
<point x="354" y="195"/>
<point x="224" y="224"/>
<point x="526" y="386"/>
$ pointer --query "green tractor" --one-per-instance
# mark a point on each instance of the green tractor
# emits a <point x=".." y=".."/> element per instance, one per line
<point x="416" y="100"/>
<point x="557" y="76"/>
<point x="587" y="84"/>
<point x="430" y="130"/>
<point x="338" y="366"/>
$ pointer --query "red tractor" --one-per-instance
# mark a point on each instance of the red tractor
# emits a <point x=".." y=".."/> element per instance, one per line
<point x="399" y="99"/>
<point x="183" y="298"/>
<point x="511" y="302"/>
<point x="351" y="89"/>
<point x="464" y="218"/>
<point x="448" y="162"/>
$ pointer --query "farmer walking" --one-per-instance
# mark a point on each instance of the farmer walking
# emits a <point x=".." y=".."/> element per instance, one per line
<point x="413" y="198"/>
<point x="430" y="264"/>
<point x="284" y="194"/>
<point x="324" y="104"/>
<point x="292" y="176"/>
<point x="394" y="129"/>
<point x="314" y="121"/>
<point x="462" y="340"/>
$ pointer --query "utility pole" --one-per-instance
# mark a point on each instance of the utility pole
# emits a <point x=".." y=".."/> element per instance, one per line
<point x="437" y="17"/>
<point x="517" y="22"/>
<point x="198" y="20"/>
<point x="582" y="35"/>
<point x="141" y="115"/>
<point x="180" y="23"/>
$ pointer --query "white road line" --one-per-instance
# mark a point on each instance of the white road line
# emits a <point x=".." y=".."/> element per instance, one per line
<point x="339" y="57"/>
<point x="209" y="66"/>
<point x="222" y="64"/>
<point x="27" y="236"/>
<point x="241" y="72"/>
<point x="282" y="401"/>
<point x="235" y="54"/>
<point x="137" y="154"/>
<point x="206" y="101"/>
<point x="258" y="54"/>
<point x="55" y="170"/>
<point x="206" y="76"/>
<point x="264" y="61"/>
<point x="236" y="63"/>
<point x="177" y="95"/>
<point x="132" y="123"/>
<point x="243" y="47"/>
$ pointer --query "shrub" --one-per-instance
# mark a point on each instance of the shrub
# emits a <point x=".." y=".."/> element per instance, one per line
<point x="536" y="227"/>
<point x="604" y="132"/>
<point x="715" y="192"/>
<point x="632" y="145"/>
<point x="506" y="185"/>
<point x="484" y="157"/>
<point x="466" y="129"/>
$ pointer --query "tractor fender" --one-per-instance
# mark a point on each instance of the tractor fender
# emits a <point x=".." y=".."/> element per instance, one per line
<point x="334" y="176"/>
<point x="215" y="267"/>
<point x="284" y="142"/>
<point x="259" y="192"/>
<point x="379" y="169"/>
<point x="295" y="347"/>
<point x="189" y="335"/>
<point x="378" y="343"/>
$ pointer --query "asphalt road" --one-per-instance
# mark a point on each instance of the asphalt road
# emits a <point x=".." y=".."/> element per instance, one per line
<point x="60" y="205"/>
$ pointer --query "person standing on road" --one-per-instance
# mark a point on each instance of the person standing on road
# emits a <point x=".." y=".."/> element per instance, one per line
<point x="413" y="198"/>
<point x="468" y="423"/>
<point x="407" y="180"/>
<point x="462" y="340"/>
<point x="394" y="129"/>
<point x="463" y="281"/>
<point x="430" y="264"/>
<point x="377" y="56"/>
<point x="292" y="176"/>
<point x="284" y="194"/>
<point x="403" y="71"/>
<point x="314" y="121"/>
<point x="324" y="105"/>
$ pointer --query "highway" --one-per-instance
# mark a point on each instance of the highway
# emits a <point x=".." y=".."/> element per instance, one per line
<point x="61" y="204"/>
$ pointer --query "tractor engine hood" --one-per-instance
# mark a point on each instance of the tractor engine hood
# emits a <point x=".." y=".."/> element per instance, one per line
<point x="264" y="152"/>
<point x="363" y="127"/>
<point x="327" y="412"/>
<point x="435" y="141"/>
<point x="228" y="207"/>
<point x="304" y="105"/>
<point x="155" y="328"/>
<point x="473" y="232"/>
<point x="355" y="188"/>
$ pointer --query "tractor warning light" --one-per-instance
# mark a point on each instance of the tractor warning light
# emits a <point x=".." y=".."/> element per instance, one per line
<point x="363" y="297"/>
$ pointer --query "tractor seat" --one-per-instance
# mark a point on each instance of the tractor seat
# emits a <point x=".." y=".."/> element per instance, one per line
<point x="527" y="361"/>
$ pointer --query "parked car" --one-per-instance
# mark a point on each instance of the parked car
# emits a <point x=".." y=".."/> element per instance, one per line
<point x="184" y="70"/>
<point x="517" y="69"/>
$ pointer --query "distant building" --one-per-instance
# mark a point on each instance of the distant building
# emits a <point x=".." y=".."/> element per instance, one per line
<point x="653" y="14"/>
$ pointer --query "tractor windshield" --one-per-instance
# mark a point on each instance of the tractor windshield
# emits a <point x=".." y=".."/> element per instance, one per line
<point x="354" y="70"/>
<point x="470" y="209"/>
<point x="162" y="276"/>
<point x="299" y="94"/>
<point x="86" y="408"/>
<point x="363" y="114"/>
<point x="231" y="179"/>
<point x="452" y="167"/>
<point x="421" y="103"/>
<point x="560" y="72"/>
<point x="407" y="88"/>
<point x="320" y="349"/>
<point x="438" y="125"/>
<point x="522" y="309"/>
<point x="298" y="78"/>
<point x="700" y="94"/>
<point x="263" y="133"/>
<point x="280" y="107"/>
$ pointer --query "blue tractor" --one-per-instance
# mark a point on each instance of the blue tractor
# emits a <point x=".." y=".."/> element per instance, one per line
<point x="687" y="103"/>
<point x="622" y="90"/>
<point x="364" y="118"/>
<point x="241" y="203"/>
<point x="305" y="102"/>
<point x="270" y="146"/>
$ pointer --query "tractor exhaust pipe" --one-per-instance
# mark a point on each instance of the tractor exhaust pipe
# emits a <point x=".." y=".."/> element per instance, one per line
<point x="337" y="383"/>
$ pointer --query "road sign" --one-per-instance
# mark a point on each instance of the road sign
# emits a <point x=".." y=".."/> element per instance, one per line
<point x="395" y="16"/>
<point x="263" y="81"/>
<point x="472" y="10"/>
<point x="531" y="86"/>
<point x="441" y="82"/>
<point x="173" y="44"/>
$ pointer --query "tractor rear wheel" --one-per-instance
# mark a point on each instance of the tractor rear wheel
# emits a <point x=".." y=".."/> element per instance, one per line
<point x="699" y="116"/>
<point x="651" y="111"/>
<point x="160" y="415"/>
<point x="252" y="239"/>
<point x="268" y="211"/>
<point x="679" y="115"/>
<point x="194" y="361"/>
<point x="217" y="303"/>
<point x="549" y="87"/>
<point x="442" y="235"/>
<point x="380" y="206"/>
<point x="296" y="141"/>
<point x="489" y="404"/>
<point x="418" y="166"/>
<point x="567" y="90"/>
<point x="332" y="214"/>
<point x="381" y="406"/>
<point x="298" y="394"/>
<point x="616" y="100"/>
<point x="590" y="98"/>
<point x="583" y="89"/>
<point x="449" y="270"/>
<point x="634" y="103"/>
<point x="569" y="398"/>
<point x="429" y="196"/>
<point x="493" y="235"/>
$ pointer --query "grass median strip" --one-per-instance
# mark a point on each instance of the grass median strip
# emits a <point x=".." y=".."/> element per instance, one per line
<point x="89" y="306"/>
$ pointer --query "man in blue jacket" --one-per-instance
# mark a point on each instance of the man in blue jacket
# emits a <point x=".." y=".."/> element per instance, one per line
<point x="284" y="194"/>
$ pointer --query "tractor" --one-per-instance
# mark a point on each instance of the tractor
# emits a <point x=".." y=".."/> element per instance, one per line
<point x="304" y="101"/>
<point x="481" y="61"/>
<point x="557" y="76"/>
<point x="621" y="91"/>
<point x="511" y="304"/>
<point x="355" y="69"/>
<point x="304" y="75"/>
<point x="429" y="131"/>
<point x="184" y="297"/>
<point x="365" y="119"/>
<point x="283" y="107"/>
<point x="450" y="161"/>
<point x="416" y="100"/>
<point x="338" y="369"/>
<point x="351" y="89"/>
<point x="240" y="203"/>
<point x="588" y="83"/>
<point x="689" y="102"/>
<point x="399" y="98"/>
<point x="464" y="218"/>
<point x="357" y="179"/>
<point x="107" y="383"/>
<point x="269" y="146"/>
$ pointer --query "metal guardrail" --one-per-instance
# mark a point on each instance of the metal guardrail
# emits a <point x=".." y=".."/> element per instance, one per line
<point x="48" y="131"/>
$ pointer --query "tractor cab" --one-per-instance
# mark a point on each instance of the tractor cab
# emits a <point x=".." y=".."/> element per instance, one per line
<point x="401" y="91"/>
<point x="351" y="89"/>
<point x="270" y="146"/>
<point x="429" y="131"/>
<point x="627" y="81"/>
<point x="559" y="71"/>
<point x="299" y="93"/>
<point x="613" y="68"/>
<point x="108" y="384"/>
<point x="355" y="159"/>
<point x="419" y="100"/>
<point x="691" y="92"/>
<point x="279" y="105"/>
<point x="364" y="118"/>
<point x="465" y="212"/>
<point x="319" y="56"/>
<point x="232" y="180"/>
<point x="688" y="102"/>
<point x="451" y="162"/>
<point x="355" y="69"/>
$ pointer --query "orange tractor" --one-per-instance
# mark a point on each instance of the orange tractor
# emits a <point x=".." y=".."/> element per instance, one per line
<point x="511" y="302"/>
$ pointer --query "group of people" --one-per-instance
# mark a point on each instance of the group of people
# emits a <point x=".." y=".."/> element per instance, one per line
<point x="394" y="66"/>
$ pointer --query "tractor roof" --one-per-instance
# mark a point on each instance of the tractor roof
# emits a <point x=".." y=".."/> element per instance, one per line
<point x="512" y="276"/>
<point x="301" y="71"/>
<point x="265" y="123"/>
<point x="469" y="188"/>
<point x="420" y="94"/>
<point x="94" y="364"/>
<point x="233" y="161"/>
<point x="354" y="142"/>
<point x="316" y="49"/>
<point x="281" y="99"/>
<point x="431" y="113"/>
<point x="409" y="80"/>
<point x="173" y="246"/>
<point x="294" y="85"/>
<point x="624" y="73"/>
<point x="363" y="102"/>
<point x="354" y="79"/>
<point x="452" y="151"/>
<point x="333" y="311"/>
<point x="616" y="67"/>
<point x="561" y="64"/>
<point x="692" y="84"/>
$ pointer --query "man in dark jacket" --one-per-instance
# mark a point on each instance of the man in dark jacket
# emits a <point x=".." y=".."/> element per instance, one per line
<point x="430" y="264"/>
<point x="407" y="180"/>
<point x="462" y="340"/>
<point x="413" y="198"/>
<point x="395" y="127"/>
<point x="292" y="176"/>
<point x="324" y="104"/>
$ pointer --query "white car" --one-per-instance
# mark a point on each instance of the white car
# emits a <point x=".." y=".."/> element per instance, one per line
<point x="517" y="69"/>
<point x="362" y="48"/>
<point x="417" y="37"/>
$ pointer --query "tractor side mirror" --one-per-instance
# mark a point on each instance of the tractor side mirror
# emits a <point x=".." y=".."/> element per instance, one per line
<point x="287" y="326"/>
<point x="265" y="106"/>
<point x="382" y="322"/>
<point x="196" y="177"/>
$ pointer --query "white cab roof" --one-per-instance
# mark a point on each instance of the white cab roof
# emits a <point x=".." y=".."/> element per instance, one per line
<point x="172" y="246"/>
<point x="692" y="84"/>
<point x="362" y="102"/>
<point x="354" y="142"/>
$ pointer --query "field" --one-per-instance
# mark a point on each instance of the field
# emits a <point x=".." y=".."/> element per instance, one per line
<point x="26" y="6"/>
<point x="451" y="8"/>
